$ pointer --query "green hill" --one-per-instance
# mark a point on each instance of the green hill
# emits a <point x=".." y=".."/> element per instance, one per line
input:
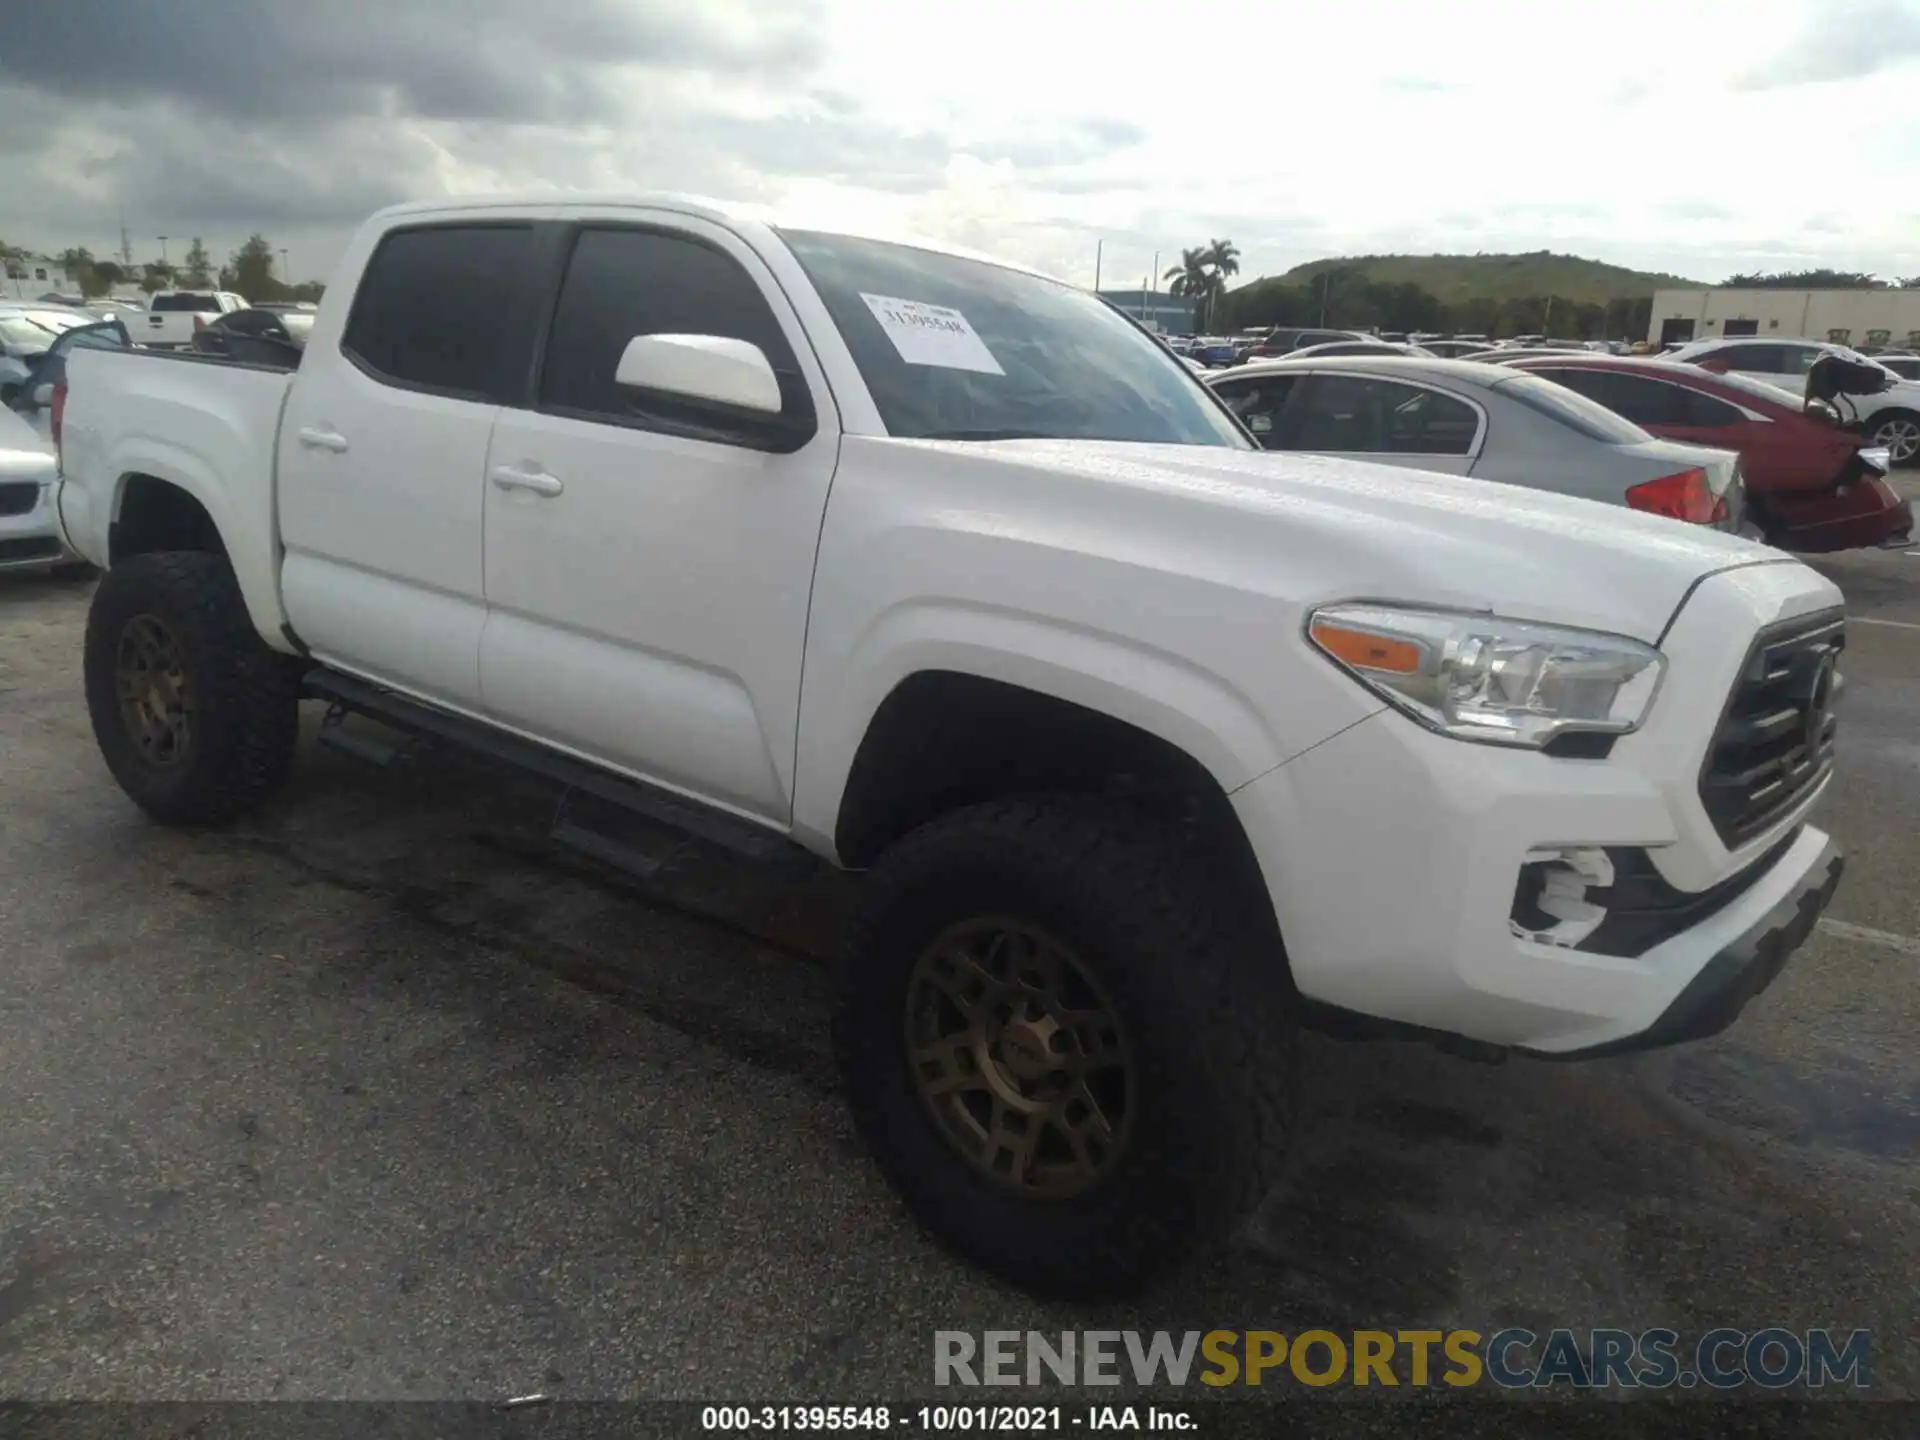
<point x="1456" y="279"/>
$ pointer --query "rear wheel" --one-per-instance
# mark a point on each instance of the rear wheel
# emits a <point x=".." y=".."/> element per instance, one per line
<point x="1899" y="431"/>
<point x="1067" y="1063"/>
<point x="195" y="716"/>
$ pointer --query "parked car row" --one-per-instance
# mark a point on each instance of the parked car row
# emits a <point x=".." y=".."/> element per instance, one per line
<point x="1714" y="447"/>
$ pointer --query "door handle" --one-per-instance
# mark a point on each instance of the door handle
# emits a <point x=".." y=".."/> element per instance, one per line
<point x="321" y="439"/>
<point x="509" y="477"/>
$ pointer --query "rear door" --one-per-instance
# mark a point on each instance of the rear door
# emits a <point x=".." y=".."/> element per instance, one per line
<point x="383" y="449"/>
<point x="1391" y="422"/>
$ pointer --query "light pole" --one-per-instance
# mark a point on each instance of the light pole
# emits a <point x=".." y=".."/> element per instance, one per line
<point x="163" y="249"/>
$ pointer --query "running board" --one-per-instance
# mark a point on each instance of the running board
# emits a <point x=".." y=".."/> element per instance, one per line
<point x="650" y="802"/>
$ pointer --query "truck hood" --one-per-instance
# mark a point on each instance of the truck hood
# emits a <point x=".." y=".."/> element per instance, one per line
<point x="1346" y="529"/>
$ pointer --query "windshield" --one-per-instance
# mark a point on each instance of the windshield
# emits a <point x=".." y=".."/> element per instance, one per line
<point x="958" y="349"/>
<point x="1572" y="409"/>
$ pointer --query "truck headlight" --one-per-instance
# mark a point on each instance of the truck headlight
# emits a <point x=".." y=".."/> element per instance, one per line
<point x="1479" y="677"/>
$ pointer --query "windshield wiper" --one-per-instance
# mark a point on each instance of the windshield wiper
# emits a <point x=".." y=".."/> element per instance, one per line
<point x="984" y="434"/>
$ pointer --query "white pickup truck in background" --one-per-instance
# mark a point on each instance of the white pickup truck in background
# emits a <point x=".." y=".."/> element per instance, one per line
<point x="1153" y="745"/>
<point x="174" y="317"/>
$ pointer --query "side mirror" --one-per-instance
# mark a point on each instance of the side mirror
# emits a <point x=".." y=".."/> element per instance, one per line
<point x="712" y="368"/>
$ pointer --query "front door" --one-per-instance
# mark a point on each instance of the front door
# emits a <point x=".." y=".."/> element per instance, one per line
<point x="649" y="564"/>
<point x="382" y="456"/>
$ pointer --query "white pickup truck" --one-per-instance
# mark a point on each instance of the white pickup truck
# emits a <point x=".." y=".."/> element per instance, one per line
<point x="1153" y="745"/>
<point x="174" y="317"/>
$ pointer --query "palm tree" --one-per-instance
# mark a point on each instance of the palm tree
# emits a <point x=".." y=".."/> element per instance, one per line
<point x="1192" y="280"/>
<point x="1222" y="258"/>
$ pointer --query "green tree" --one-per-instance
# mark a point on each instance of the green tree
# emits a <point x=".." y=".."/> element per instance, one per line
<point x="156" y="275"/>
<point x="250" y="271"/>
<point x="308" y="290"/>
<point x="196" y="272"/>
<point x="1806" y="280"/>
<point x="1191" y="281"/>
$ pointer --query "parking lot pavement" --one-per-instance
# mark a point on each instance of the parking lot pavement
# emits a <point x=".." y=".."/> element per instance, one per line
<point x="379" y="1096"/>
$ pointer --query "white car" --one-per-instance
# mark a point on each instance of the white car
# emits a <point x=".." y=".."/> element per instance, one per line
<point x="28" y="332"/>
<point x="1150" y="745"/>
<point x="1890" y="419"/>
<point x="29" y="529"/>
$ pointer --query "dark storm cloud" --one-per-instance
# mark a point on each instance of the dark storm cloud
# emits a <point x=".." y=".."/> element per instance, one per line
<point x="1842" y="42"/>
<point x="507" y="60"/>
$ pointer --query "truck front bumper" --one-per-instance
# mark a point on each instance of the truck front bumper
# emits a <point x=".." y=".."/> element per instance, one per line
<point x="1558" y="905"/>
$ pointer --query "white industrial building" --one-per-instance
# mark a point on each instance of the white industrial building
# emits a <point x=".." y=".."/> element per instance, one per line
<point x="1845" y="317"/>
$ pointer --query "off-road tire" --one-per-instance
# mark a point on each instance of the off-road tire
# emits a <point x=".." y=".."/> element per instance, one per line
<point x="245" y="695"/>
<point x="1207" y="1007"/>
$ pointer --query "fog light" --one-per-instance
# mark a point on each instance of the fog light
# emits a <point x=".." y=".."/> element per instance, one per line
<point x="1551" y="905"/>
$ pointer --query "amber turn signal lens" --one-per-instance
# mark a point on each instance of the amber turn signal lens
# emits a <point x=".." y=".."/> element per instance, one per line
<point x="1367" y="652"/>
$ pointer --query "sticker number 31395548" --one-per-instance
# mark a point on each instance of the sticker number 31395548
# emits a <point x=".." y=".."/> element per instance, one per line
<point x="932" y="335"/>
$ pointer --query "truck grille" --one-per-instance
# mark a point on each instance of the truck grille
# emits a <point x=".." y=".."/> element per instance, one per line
<point x="1775" y="742"/>
<point x="18" y="497"/>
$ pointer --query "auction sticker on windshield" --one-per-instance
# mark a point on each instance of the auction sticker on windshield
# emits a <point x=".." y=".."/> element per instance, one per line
<point x="932" y="335"/>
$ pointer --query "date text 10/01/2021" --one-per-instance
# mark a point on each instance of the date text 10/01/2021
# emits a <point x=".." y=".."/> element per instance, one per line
<point x="946" y="1419"/>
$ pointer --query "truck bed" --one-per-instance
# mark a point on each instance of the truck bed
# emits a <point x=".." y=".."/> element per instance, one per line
<point x="205" y="423"/>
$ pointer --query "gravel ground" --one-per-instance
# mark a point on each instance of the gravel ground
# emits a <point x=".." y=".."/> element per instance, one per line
<point x="379" y="1096"/>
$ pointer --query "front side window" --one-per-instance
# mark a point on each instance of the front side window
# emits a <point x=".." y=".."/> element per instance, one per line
<point x="1360" y="415"/>
<point x="957" y="349"/>
<point x="443" y="308"/>
<point x="625" y="283"/>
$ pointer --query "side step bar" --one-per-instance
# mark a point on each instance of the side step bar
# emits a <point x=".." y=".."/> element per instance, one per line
<point x="403" y="713"/>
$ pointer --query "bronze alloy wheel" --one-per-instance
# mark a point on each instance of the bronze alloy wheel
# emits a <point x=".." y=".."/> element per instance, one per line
<point x="156" y="702"/>
<point x="1020" y="1057"/>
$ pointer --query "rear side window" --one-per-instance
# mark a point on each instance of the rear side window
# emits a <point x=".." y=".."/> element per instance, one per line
<point x="445" y="309"/>
<point x="199" y="304"/>
<point x="1571" y="409"/>
<point x="624" y="283"/>
<point x="1258" y="401"/>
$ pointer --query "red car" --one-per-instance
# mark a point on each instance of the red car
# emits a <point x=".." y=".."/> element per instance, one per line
<point x="1812" y="485"/>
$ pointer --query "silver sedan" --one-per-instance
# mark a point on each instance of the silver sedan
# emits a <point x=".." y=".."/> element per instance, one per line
<point x="1485" y="421"/>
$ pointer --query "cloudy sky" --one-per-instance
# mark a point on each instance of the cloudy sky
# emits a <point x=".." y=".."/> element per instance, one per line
<point x="1695" y="136"/>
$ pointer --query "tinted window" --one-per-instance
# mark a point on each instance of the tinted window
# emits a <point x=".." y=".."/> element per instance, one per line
<point x="249" y="322"/>
<point x="1799" y="358"/>
<point x="623" y="283"/>
<point x="1006" y="354"/>
<point x="1907" y="369"/>
<point x="199" y="304"/>
<point x="1591" y="383"/>
<point x="444" y="309"/>
<point x="1354" y="414"/>
<point x="1571" y="409"/>
<point x="1761" y="359"/>
<point x="1258" y="401"/>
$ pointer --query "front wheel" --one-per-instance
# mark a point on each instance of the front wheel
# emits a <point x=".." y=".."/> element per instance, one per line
<point x="1899" y="431"/>
<point x="195" y="716"/>
<point x="1059" y="1054"/>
